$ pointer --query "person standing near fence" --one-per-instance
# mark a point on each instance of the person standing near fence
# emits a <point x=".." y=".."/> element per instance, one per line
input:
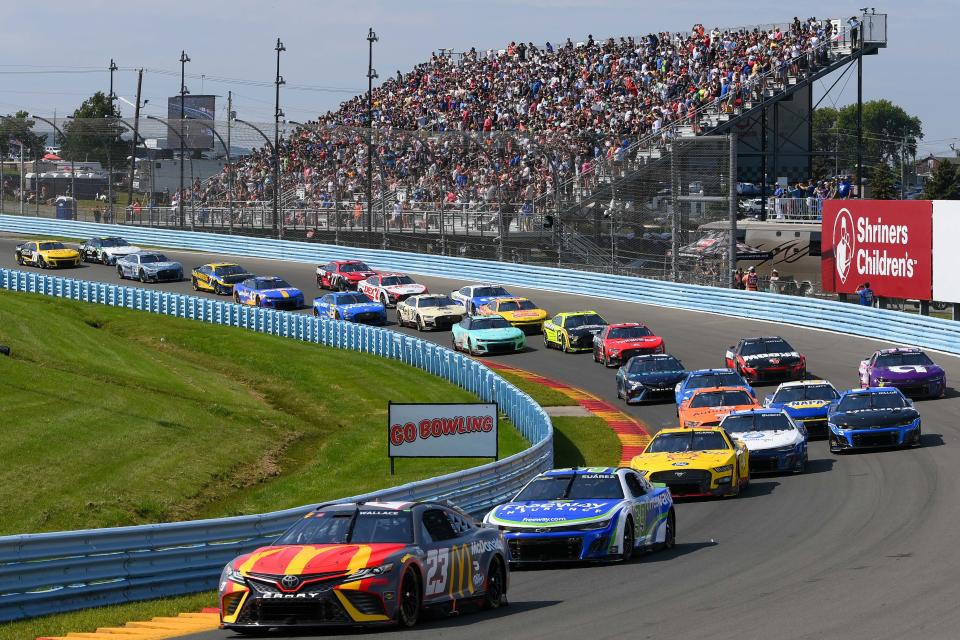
<point x="866" y="294"/>
<point x="751" y="280"/>
<point x="738" y="276"/>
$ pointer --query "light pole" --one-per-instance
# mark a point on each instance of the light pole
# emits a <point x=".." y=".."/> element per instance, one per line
<point x="73" y="171"/>
<point x="184" y="59"/>
<point x="277" y="114"/>
<point x="113" y="67"/>
<point x="371" y="74"/>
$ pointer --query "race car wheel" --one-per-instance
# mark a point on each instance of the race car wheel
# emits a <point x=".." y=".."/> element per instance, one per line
<point x="735" y="485"/>
<point x="384" y="301"/>
<point x="453" y="340"/>
<point x="256" y="301"/>
<point x="802" y="465"/>
<point x="408" y="609"/>
<point x="496" y="595"/>
<point x="120" y="272"/>
<point x="319" y="282"/>
<point x="670" y="539"/>
<point x="420" y="326"/>
<point x="41" y="262"/>
<point x="236" y="297"/>
<point x="546" y="343"/>
<point x="916" y="443"/>
<point x="340" y="285"/>
<point x="606" y="359"/>
<point x="219" y="290"/>
<point x="143" y="275"/>
<point x="19" y="259"/>
<point x="470" y="349"/>
<point x="628" y="541"/>
<point x="564" y="346"/>
<point x="193" y="282"/>
<point x="832" y="443"/>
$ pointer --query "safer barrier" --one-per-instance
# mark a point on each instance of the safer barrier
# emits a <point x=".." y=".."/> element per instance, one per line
<point x="932" y="333"/>
<point x="54" y="572"/>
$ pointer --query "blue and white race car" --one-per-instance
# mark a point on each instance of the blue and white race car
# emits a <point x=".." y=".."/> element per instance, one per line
<point x="352" y="306"/>
<point x="872" y="418"/>
<point x="706" y="378"/>
<point x="776" y="443"/>
<point x="149" y="266"/>
<point x="269" y="292"/>
<point x="474" y="296"/>
<point x="596" y="513"/>
<point x="807" y="402"/>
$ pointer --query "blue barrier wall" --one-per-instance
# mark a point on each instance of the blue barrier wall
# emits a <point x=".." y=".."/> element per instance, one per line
<point x="932" y="333"/>
<point x="54" y="572"/>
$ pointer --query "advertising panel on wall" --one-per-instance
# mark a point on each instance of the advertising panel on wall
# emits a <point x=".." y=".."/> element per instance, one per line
<point x="887" y="243"/>
<point x="464" y="430"/>
<point x="946" y="252"/>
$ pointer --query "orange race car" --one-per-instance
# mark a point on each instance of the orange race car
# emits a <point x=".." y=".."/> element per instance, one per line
<point x="707" y="407"/>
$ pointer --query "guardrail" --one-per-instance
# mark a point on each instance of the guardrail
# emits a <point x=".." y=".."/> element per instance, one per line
<point x="54" y="572"/>
<point x="892" y="326"/>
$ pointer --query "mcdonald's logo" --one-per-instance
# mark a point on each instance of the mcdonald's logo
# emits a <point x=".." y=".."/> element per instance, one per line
<point x="461" y="571"/>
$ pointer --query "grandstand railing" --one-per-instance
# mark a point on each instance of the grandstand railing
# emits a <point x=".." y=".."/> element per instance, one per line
<point x="54" y="572"/>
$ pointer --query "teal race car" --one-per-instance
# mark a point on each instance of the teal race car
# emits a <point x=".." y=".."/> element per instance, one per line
<point x="485" y="335"/>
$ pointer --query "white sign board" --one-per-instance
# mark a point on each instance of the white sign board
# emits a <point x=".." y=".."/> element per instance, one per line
<point x="442" y="430"/>
<point x="946" y="258"/>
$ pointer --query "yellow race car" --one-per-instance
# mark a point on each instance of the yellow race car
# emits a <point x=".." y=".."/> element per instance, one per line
<point x="573" y="330"/>
<point x="699" y="462"/>
<point x="218" y="277"/>
<point x="520" y="312"/>
<point x="47" y="254"/>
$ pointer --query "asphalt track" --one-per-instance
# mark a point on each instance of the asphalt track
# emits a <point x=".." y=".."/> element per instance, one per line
<point x="861" y="546"/>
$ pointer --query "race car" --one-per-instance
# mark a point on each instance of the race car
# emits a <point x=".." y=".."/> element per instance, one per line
<point x="46" y="254"/>
<point x="218" y="277"/>
<point x="695" y="462"/>
<point x="706" y="378"/>
<point x="762" y="359"/>
<point x="807" y="402"/>
<point x="106" y="249"/>
<point x="619" y="342"/>
<point x="365" y="563"/>
<point x="390" y="288"/>
<point x="485" y="335"/>
<point x="352" y="306"/>
<point x="429" y="311"/>
<point x="520" y="312"/>
<point x="649" y="377"/>
<point x="707" y="407"/>
<point x="269" y="292"/>
<point x="872" y="418"/>
<point x="342" y="275"/>
<point x="596" y="513"/>
<point x="572" y="331"/>
<point x="474" y="296"/>
<point x="907" y="369"/>
<point x="775" y="441"/>
<point x="149" y="266"/>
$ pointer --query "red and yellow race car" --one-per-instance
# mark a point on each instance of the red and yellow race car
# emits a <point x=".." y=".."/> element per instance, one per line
<point x="365" y="563"/>
<point x="617" y="343"/>
<point x="707" y="407"/>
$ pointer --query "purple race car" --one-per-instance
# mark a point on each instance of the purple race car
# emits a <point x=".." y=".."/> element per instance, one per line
<point x="907" y="369"/>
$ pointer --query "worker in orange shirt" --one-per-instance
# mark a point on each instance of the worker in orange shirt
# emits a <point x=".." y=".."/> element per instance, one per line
<point x="751" y="280"/>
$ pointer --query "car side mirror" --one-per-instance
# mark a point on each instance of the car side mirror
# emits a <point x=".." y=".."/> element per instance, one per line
<point x="909" y="402"/>
<point x="767" y="401"/>
<point x="832" y="407"/>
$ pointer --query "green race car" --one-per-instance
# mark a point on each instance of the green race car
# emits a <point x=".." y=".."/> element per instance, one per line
<point x="572" y="331"/>
<point x="485" y="335"/>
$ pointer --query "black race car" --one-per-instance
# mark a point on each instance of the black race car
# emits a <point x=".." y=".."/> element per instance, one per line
<point x="762" y="359"/>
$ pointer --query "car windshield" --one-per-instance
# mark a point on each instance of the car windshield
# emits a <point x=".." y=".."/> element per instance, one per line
<point x="229" y="270"/>
<point x="113" y="242"/>
<point x="583" y="320"/>
<point x="866" y="401"/>
<point x="706" y="380"/>
<point x="489" y="292"/>
<point x="436" y="301"/>
<point x="805" y="392"/>
<point x="490" y="323"/>
<point x="917" y="358"/>
<point x="152" y="257"/>
<point x="515" y="305"/>
<point x="350" y="267"/>
<point x="391" y="281"/>
<point x="773" y="345"/>
<point x="49" y="246"/>
<point x="352" y="298"/>
<point x="624" y="333"/>
<point x="271" y="283"/>
<point x="692" y="440"/>
<point x="641" y="364"/>
<point x="720" y="399"/>
<point x="365" y="526"/>
<point x="580" y="486"/>
<point x="757" y="422"/>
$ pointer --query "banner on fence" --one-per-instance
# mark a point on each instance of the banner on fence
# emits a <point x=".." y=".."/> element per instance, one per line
<point x="466" y="430"/>
<point x="946" y="252"/>
<point x="887" y="243"/>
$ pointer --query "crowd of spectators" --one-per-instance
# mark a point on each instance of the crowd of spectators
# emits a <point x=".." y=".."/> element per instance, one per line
<point x="509" y="125"/>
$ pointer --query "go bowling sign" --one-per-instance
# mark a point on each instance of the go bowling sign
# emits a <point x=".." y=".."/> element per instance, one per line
<point x="887" y="243"/>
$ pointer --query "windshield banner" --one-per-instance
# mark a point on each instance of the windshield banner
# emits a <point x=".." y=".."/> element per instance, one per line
<point x="442" y="430"/>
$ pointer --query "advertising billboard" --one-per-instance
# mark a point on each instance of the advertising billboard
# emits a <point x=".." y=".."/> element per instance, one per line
<point x="887" y="243"/>
<point x="442" y="430"/>
<point x="946" y="257"/>
<point x="199" y="112"/>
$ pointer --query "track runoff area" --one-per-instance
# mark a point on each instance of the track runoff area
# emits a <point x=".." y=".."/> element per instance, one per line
<point x="860" y="546"/>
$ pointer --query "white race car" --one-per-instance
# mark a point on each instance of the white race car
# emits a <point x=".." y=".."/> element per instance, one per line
<point x="390" y="288"/>
<point x="429" y="311"/>
<point x="106" y="249"/>
<point x="775" y="442"/>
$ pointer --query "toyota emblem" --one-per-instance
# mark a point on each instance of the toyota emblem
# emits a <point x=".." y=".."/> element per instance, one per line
<point x="289" y="582"/>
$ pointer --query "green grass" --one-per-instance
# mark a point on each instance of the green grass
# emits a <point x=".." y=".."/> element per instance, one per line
<point x="114" y="616"/>
<point x="584" y="441"/>
<point x="118" y="417"/>
<point x="544" y="396"/>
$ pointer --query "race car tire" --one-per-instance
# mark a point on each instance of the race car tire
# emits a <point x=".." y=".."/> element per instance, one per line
<point x="496" y="595"/>
<point x="470" y="349"/>
<point x="546" y="343"/>
<point x="620" y="394"/>
<point x="143" y="276"/>
<point x="384" y="300"/>
<point x="41" y="262"/>
<point x="453" y="340"/>
<point x="236" y="297"/>
<point x="120" y="271"/>
<point x="563" y="345"/>
<point x="256" y="301"/>
<point x="735" y="485"/>
<point x="19" y="259"/>
<point x="420" y="326"/>
<point x="217" y="289"/>
<point x="193" y="282"/>
<point x="916" y="443"/>
<point x="341" y="286"/>
<point x="606" y="360"/>
<point x="832" y="444"/>
<point x="320" y="282"/>
<point x="628" y="541"/>
<point x="800" y="468"/>
<point x="410" y="599"/>
<point x="670" y="539"/>
<point x="596" y="358"/>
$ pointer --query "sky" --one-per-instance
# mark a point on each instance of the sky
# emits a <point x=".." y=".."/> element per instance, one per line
<point x="56" y="57"/>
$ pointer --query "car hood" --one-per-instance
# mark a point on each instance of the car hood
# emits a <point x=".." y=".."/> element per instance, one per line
<point x="772" y="359"/>
<point x="449" y="310"/>
<point x="803" y="408"/>
<point x="691" y="460"/>
<point x="356" y="276"/>
<point x="658" y="378"/>
<point x="59" y="253"/>
<point x="496" y="334"/>
<point x="760" y="440"/>
<point x="907" y="373"/>
<point x="645" y="342"/>
<point x="707" y="413"/>
<point x="524" y="314"/>
<point x="552" y="512"/>
<point x="286" y="292"/>
<point x="322" y="558"/>
<point x="585" y="329"/>
<point x="233" y="279"/>
<point x="361" y="307"/>
<point x="873" y="418"/>
<point x="157" y="266"/>
<point x="120" y="251"/>
<point x="406" y="289"/>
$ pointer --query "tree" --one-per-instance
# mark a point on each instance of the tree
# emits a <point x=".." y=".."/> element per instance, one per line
<point x="944" y="184"/>
<point x="881" y="183"/>
<point x="93" y="134"/>
<point x="20" y="128"/>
